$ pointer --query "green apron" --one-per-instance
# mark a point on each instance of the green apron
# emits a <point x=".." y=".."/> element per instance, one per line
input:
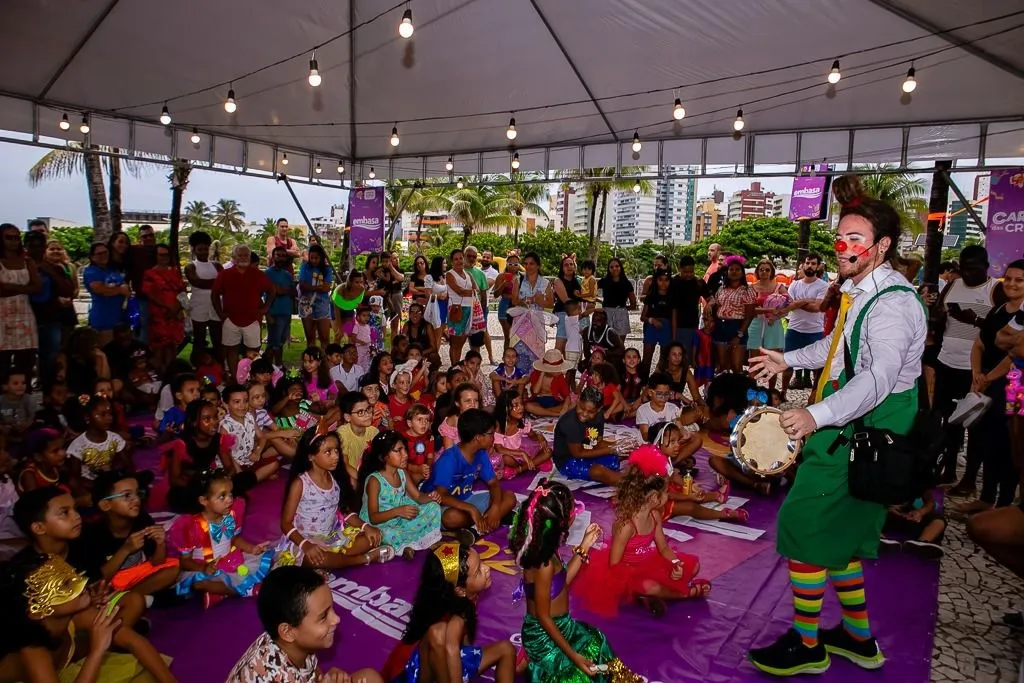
<point x="820" y="523"/>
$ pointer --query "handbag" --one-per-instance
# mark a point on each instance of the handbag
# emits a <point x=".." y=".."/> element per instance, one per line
<point x="454" y="313"/>
<point x="477" y="322"/>
<point x="432" y="312"/>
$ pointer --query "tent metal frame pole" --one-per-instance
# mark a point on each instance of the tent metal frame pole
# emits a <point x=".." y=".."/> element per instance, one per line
<point x="799" y="153"/>
<point x="904" y="147"/>
<point x="982" y="143"/>
<point x="352" y="137"/>
<point x="287" y="183"/>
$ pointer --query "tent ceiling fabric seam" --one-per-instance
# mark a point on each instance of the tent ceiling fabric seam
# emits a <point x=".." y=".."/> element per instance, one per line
<point x="78" y="48"/>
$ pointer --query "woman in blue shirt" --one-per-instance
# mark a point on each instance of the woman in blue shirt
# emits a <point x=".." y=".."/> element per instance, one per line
<point x="316" y="279"/>
<point x="108" y="291"/>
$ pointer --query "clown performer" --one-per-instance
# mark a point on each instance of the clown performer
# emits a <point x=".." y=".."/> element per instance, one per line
<point x="823" y="531"/>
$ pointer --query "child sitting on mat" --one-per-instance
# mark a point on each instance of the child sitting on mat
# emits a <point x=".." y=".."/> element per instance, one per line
<point x="465" y="397"/>
<point x="419" y="441"/>
<point x="517" y="448"/>
<point x="580" y="450"/>
<point x="639" y="566"/>
<point x="922" y="522"/>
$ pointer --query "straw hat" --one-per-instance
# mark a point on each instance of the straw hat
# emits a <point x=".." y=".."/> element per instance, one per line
<point x="553" y="361"/>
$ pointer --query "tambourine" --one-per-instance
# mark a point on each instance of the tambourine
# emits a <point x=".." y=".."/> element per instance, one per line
<point x="759" y="441"/>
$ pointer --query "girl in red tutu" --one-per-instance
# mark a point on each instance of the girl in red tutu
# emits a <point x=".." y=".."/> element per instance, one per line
<point x="639" y="566"/>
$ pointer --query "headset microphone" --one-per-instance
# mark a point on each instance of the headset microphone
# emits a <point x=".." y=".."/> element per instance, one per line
<point x="852" y="259"/>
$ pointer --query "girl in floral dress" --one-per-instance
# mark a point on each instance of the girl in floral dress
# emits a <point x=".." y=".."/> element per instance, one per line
<point x="162" y="284"/>
<point x="408" y="519"/>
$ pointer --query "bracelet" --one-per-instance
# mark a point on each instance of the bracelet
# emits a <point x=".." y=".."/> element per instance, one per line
<point x="291" y="531"/>
<point x="303" y="542"/>
<point x="363" y="527"/>
<point x="584" y="555"/>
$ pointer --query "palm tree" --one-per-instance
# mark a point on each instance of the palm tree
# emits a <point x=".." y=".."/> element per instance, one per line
<point x="198" y="215"/>
<point x="77" y="158"/>
<point x="524" y="196"/>
<point x="228" y="215"/>
<point x="223" y="242"/>
<point x="178" y="178"/>
<point x="480" y="207"/>
<point x="437" y="235"/>
<point x="598" y="191"/>
<point x="429" y="198"/>
<point x="397" y="196"/>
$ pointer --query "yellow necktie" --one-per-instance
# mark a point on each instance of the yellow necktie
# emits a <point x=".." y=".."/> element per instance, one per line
<point x="844" y="308"/>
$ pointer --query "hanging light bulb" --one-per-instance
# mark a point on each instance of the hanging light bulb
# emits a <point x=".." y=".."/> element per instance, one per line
<point x="910" y="84"/>
<point x="165" y="116"/>
<point x="341" y="168"/>
<point x="64" y="123"/>
<point x="318" y="170"/>
<point x="636" y="187"/>
<point x="834" y="75"/>
<point x="85" y="125"/>
<point x="510" y="132"/>
<point x="460" y="184"/>
<point x="394" y="136"/>
<point x="195" y="136"/>
<point x="229" y="103"/>
<point x="738" y="124"/>
<point x="314" y="73"/>
<point x="284" y="159"/>
<point x="678" y="112"/>
<point x="449" y="165"/>
<point x="636" y="142"/>
<point x="515" y="161"/>
<point x="406" y="28"/>
<point x="373" y="174"/>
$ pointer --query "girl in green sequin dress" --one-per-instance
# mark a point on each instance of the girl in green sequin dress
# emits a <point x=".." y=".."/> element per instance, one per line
<point x="559" y="649"/>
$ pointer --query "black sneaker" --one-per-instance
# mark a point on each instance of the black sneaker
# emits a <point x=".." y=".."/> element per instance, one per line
<point x="864" y="653"/>
<point x="788" y="656"/>
<point x="889" y="545"/>
<point x="924" y="550"/>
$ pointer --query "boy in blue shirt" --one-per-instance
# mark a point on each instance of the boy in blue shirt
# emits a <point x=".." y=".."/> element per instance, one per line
<point x="458" y="468"/>
<point x="185" y="389"/>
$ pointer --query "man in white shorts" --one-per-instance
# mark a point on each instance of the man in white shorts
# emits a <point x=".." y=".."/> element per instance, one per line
<point x="241" y="296"/>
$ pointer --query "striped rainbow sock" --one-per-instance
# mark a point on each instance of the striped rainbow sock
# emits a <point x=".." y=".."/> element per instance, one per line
<point x="808" y="591"/>
<point x="849" y="586"/>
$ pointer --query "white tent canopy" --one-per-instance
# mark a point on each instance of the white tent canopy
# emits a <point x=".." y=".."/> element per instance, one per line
<point x="579" y="76"/>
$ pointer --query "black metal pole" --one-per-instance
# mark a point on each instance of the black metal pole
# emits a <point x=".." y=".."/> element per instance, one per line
<point x="283" y="178"/>
<point x="803" y="240"/>
<point x="937" y="205"/>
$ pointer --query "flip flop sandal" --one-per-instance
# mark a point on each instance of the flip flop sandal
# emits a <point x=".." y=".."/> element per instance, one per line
<point x="385" y="553"/>
<point x="700" y="588"/>
<point x="737" y="514"/>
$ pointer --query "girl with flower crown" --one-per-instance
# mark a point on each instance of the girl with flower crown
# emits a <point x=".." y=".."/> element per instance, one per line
<point x="438" y="642"/>
<point x="558" y="648"/>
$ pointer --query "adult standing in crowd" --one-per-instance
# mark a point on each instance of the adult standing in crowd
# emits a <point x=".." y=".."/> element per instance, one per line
<point x="55" y="286"/>
<point x="823" y="530"/>
<point x="806" y="321"/>
<point x="566" y="287"/>
<point x="714" y="252"/>
<point x="461" y="292"/>
<point x="438" y="286"/>
<point x="532" y="291"/>
<point x="108" y="292"/>
<point x="733" y="308"/>
<point x="487" y="265"/>
<point x="660" y="263"/>
<point x="242" y="295"/>
<point x="417" y="287"/>
<point x="392" y="279"/>
<point x="371" y="276"/>
<point x="58" y="258"/>
<point x="503" y="286"/>
<point x="19" y="279"/>
<point x="964" y="304"/>
<point x="479" y="339"/>
<point x="120" y="246"/>
<point x="687" y="292"/>
<point x="201" y="273"/>
<point x="39" y="226"/>
<point x="142" y="258"/>
<point x="161" y="285"/>
<point x="617" y="296"/>
<point x="282" y="238"/>
<point x="765" y="330"/>
<point x="279" y="311"/>
<point x="316" y="280"/>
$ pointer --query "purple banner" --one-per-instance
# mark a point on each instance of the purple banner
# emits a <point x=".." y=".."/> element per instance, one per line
<point x="1005" y="237"/>
<point x="810" y="195"/>
<point x="366" y="218"/>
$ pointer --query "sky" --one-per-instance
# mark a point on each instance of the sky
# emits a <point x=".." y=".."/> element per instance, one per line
<point x="259" y="198"/>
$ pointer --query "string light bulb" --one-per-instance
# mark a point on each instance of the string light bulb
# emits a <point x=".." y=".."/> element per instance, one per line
<point x="85" y="125"/>
<point x="229" y="103"/>
<point x="511" y="132"/>
<point x="449" y="165"/>
<point x="314" y="77"/>
<point x="341" y="168"/>
<point x="394" y="136"/>
<point x="284" y="159"/>
<point x="636" y="187"/>
<point x="165" y="116"/>
<point x="637" y="146"/>
<point x="64" y="123"/>
<point x="678" y="111"/>
<point x="373" y="174"/>
<point x="195" y="136"/>
<point x="515" y="161"/>
<point x="460" y="184"/>
<point x="834" y="75"/>
<point x="405" y="28"/>
<point x="318" y="170"/>
<point x="910" y="84"/>
<point x="738" y="124"/>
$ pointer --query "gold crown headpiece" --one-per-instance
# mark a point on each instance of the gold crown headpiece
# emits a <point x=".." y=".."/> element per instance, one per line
<point x="448" y="554"/>
<point x="54" y="583"/>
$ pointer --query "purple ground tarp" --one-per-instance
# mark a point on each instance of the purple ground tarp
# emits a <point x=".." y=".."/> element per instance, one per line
<point x="704" y="640"/>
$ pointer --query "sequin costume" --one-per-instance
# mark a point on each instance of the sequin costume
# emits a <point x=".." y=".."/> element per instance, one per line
<point x="206" y="541"/>
<point x="419" y="533"/>
<point x="1015" y="389"/>
<point x="403" y="664"/>
<point x="602" y="587"/>
<point x="317" y="518"/>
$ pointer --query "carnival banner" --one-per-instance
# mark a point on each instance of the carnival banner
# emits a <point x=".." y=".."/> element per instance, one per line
<point x="810" y="194"/>
<point x="366" y="216"/>
<point x="1005" y="237"/>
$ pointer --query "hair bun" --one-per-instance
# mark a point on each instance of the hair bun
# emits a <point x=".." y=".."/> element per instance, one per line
<point x="847" y="189"/>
